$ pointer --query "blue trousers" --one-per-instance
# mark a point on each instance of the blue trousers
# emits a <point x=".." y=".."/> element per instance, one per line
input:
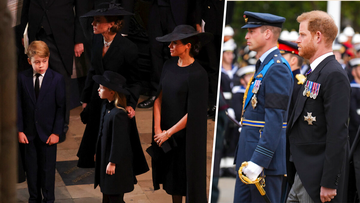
<point x="249" y="193"/>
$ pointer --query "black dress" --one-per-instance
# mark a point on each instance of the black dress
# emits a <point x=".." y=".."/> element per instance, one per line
<point x="121" y="57"/>
<point x="182" y="170"/>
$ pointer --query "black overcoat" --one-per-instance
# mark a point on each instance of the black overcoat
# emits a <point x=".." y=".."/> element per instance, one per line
<point x="116" y="144"/>
<point x="63" y="21"/>
<point x="121" y="57"/>
<point x="319" y="151"/>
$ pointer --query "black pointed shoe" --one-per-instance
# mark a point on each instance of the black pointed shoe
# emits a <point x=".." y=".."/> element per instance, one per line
<point x="149" y="102"/>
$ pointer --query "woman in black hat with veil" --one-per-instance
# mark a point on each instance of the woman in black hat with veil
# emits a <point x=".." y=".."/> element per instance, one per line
<point x="180" y="119"/>
<point x="113" y="52"/>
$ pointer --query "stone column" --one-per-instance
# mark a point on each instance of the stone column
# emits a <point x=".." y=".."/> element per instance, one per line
<point x="8" y="136"/>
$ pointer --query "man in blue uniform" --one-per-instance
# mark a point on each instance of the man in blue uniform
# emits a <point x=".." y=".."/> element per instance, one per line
<point x="262" y="139"/>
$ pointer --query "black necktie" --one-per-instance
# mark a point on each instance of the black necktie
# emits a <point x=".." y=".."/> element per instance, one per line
<point x="257" y="65"/>
<point x="37" y="87"/>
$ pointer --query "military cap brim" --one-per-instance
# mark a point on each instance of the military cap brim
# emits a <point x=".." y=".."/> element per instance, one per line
<point x="287" y="47"/>
<point x="254" y="20"/>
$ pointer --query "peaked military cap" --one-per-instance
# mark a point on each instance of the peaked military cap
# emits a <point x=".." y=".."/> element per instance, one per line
<point x="254" y="20"/>
<point x="354" y="62"/>
<point x="287" y="47"/>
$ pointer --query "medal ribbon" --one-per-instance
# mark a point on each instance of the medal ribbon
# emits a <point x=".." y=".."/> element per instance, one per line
<point x="263" y="72"/>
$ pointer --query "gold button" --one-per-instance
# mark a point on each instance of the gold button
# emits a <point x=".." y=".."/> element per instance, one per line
<point x="208" y="7"/>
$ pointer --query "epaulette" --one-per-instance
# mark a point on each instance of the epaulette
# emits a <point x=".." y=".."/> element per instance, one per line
<point x="301" y="79"/>
<point x="277" y="58"/>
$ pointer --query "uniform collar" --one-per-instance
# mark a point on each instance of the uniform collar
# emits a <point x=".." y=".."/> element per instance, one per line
<point x="263" y="57"/>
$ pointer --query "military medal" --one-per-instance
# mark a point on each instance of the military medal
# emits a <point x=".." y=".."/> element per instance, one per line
<point x="317" y="88"/>
<point x="312" y="92"/>
<point x="254" y="101"/>
<point x="309" y="118"/>
<point x="306" y="88"/>
<point x="256" y="86"/>
<point x="309" y="89"/>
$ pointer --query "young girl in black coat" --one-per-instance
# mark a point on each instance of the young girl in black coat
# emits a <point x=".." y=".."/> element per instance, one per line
<point x="116" y="150"/>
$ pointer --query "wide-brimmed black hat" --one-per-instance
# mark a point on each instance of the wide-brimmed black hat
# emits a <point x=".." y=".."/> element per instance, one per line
<point x="185" y="31"/>
<point x="108" y="9"/>
<point x="113" y="81"/>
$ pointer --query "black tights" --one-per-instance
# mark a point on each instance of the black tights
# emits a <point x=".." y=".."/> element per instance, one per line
<point x="113" y="198"/>
<point x="177" y="198"/>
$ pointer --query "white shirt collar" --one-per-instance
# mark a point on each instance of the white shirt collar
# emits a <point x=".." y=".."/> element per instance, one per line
<point x="317" y="61"/>
<point x="34" y="74"/>
<point x="263" y="57"/>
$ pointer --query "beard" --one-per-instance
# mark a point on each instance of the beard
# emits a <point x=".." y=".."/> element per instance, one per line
<point x="308" y="50"/>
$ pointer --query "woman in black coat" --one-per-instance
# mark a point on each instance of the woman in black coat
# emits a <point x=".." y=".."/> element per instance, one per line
<point x="110" y="51"/>
<point x="115" y="168"/>
<point x="180" y="119"/>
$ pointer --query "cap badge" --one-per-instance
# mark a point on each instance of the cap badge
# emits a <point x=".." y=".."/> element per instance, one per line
<point x="246" y="19"/>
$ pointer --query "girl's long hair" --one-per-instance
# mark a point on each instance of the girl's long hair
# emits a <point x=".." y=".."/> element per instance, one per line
<point x="120" y="101"/>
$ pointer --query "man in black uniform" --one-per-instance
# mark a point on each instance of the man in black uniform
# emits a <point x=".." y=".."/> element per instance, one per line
<point x="317" y="127"/>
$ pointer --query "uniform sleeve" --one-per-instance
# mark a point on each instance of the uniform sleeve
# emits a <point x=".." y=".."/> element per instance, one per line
<point x="278" y="85"/>
<point x="336" y="108"/>
<point x="354" y="106"/>
<point x="120" y="151"/>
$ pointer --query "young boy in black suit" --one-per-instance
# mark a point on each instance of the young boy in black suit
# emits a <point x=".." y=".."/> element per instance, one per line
<point x="41" y="114"/>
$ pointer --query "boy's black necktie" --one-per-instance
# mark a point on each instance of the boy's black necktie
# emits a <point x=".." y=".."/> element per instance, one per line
<point x="37" y="87"/>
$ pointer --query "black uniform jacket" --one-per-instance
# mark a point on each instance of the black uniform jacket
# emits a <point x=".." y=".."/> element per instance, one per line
<point x="63" y="21"/>
<point x="117" y="144"/>
<point x="319" y="150"/>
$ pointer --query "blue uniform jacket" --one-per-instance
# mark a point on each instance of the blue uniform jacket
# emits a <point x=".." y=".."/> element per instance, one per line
<point x="266" y="146"/>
